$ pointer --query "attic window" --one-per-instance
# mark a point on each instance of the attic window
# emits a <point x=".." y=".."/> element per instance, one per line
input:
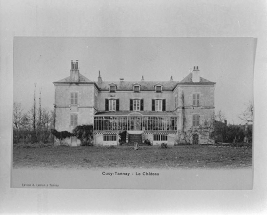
<point x="136" y="88"/>
<point x="158" y="89"/>
<point x="112" y="88"/>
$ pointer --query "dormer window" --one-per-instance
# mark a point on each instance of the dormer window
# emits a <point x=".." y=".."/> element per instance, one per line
<point x="136" y="88"/>
<point x="158" y="88"/>
<point x="112" y="88"/>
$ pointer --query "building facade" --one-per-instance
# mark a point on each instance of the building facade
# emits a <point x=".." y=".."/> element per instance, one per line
<point x="134" y="111"/>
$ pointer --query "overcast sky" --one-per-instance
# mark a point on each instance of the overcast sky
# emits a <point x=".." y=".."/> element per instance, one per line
<point x="226" y="61"/>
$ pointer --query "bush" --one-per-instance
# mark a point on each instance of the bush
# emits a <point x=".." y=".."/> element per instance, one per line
<point x="148" y="142"/>
<point x="163" y="145"/>
<point x="61" y="135"/>
<point x="85" y="134"/>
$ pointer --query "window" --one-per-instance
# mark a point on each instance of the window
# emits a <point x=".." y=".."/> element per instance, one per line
<point x="196" y="99"/>
<point x="73" y="120"/>
<point x="112" y="105"/>
<point x="158" y="89"/>
<point x="74" y="98"/>
<point x="158" y="104"/>
<point x="160" y="137"/>
<point x="109" y="137"/>
<point x="136" y="105"/>
<point x="196" y="120"/>
<point x="136" y="88"/>
<point x="112" y="88"/>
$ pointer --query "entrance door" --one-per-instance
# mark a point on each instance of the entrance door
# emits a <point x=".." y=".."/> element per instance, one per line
<point x="195" y="139"/>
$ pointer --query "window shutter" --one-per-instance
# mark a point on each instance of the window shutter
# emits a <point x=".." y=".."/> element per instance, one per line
<point x="117" y="104"/>
<point x="197" y="99"/>
<point x="142" y="105"/>
<point x="153" y="104"/>
<point x="71" y="120"/>
<point x="194" y="99"/>
<point x="76" y="98"/>
<point x="131" y="104"/>
<point x="106" y="104"/>
<point x="164" y="105"/>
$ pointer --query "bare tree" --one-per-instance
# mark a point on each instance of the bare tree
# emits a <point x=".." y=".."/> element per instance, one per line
<point x="220" y="116"/>
<point x="247" y="115"/>
<point x="17" y="115"/>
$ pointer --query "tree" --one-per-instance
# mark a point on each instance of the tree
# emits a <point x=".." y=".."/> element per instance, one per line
<point x="17" y="115"/>
<point x="247" y="115"/>
<point x="84" y="133"/>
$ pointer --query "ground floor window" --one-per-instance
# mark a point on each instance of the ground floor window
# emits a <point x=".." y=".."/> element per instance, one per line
<point x="160" y="137"/>
<point x="109" y="137"/>
<point x="73" y="120"/>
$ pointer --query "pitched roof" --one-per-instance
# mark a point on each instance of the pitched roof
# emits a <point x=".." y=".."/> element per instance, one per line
<point x="144" y="85"/>
<point x="82" y="79"/>
<point x="188" y="80"/>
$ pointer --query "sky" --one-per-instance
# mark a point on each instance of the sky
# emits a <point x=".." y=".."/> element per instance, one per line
<point x="227" y="61"/>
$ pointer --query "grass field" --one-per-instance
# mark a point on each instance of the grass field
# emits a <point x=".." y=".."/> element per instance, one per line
<point x="187" y="156"/>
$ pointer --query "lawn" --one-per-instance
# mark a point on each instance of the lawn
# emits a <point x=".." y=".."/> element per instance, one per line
<point x="187" y="156"/>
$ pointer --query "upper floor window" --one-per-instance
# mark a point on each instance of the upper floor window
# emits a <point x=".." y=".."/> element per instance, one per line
<point x="158" y="104"/>
<point x="196" y="118"/>
<point x="112" y="104"/>
<point x="196" y="99"/>
<point x="112" y="88"/>
<point x="73" y="120"/>
<point x="136" y="104"/>
<point x="136" y="88"/>
<point x="158" y="89"/>
<point x="74" y="98"/>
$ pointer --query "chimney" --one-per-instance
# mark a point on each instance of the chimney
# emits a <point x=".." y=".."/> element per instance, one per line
<point x="142" y="78"/>
<point x="74" y="72"/>
<point x="99" y="81"/>
<point x="171" y="79"/>
<point x="121" y="79"/>
<point x="195" y="74"/>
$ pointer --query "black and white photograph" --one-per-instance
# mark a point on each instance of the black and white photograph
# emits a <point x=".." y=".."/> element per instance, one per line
<point x="132" y="107"/>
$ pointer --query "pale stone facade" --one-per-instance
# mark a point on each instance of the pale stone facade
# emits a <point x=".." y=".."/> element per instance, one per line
<point x="160" y="111"/>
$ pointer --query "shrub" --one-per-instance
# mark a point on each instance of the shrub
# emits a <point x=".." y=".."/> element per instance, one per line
<point x="148" y="142"/>
<point x="163" y="145"/>
<point x="85" y="134"/>
<point x="61" y="135"/>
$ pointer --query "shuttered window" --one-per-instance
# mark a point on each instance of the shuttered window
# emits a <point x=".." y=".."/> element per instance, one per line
<point x="112" y="104"/>
<point x="74" y="98"/>
<point x="196" y="99"/>
<point x="136" y="105"/>
<point x="73" y="120"/>
<point x="158" y="104"/>
<point x="196" y="118"/>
